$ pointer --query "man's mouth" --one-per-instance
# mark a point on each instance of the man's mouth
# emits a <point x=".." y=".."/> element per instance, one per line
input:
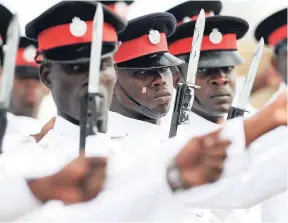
<point x="221" y="96"/>
<point x="163" y="96"/>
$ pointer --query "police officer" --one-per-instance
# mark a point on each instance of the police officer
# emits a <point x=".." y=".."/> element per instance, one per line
<point x="49" y="74"/>
<point x="189" y="11"/>
<point x="144" y="87"/>
<point x="274" y="31"/>
<point x="16" y="124"/>
<point x="216" y="69"/>
<point x="28" y="91"/>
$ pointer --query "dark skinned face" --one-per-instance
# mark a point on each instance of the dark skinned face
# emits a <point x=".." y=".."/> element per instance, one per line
<point x="177" y="76"/>
<point x="217" y="91"/>
<point x="69" y="83"/>
<point x="27" y="96"/>
<point x="279" y="61"/>
<point x="151" y="88"/>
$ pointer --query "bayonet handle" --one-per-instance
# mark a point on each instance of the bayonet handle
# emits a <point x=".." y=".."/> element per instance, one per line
<point x="235" y="112"/>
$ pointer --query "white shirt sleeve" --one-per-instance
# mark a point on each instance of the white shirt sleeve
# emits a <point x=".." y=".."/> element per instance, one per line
<point x="24" y="161"/>
<point x="16" y="199"/>
<point x="238" y="158"/>
<point x="135" y="184"/>
<point x="137" y="187"/>
<point x="266" y="178"/>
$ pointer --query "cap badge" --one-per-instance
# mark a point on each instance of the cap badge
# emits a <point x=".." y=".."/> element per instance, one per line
<point x="186" y="19"/>
<point x="78" y="28"/>
<point x="154" y="36"/>
<point x="121" y="8"/>
<point x="215" y="36"/>
<point x="211" y="13"/>
<point x="29" y="53"/>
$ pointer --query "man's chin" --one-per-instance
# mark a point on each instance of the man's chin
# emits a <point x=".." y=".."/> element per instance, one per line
<point x="221" y="109"/>
<point x="163" y="109"/>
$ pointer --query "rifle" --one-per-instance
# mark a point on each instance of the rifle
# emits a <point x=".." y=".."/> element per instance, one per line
<point x="185" y="91"/>
<point x="92" y="119"/>
<point x="237" y="111"/>
<point x="6" y="83"/>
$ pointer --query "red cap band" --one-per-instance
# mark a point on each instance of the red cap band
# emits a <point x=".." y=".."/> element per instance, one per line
<point x="183" y="46"/>
<point x="278" y="35"/>
<point x="22" y="61"/>
<point x="61" y="36"/>
<point x="140" y="47"/>
<point x="195" y="17"/>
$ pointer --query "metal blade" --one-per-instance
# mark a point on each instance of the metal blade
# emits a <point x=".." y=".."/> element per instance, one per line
<point x="8" y="72"/>
<point x="196" y="48"/>
<point x="96" y="49"/>
<point x="247" y="87"/>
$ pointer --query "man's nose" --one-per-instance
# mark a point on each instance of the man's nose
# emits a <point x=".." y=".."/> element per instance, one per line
<point x="218" y="79"/>
<point x="158" y="79"/>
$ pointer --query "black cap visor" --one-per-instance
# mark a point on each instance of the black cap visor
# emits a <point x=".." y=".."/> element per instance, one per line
<point x="151" y="62"/>
<point x="77" y="52"/>
<point x="212" y="59"/>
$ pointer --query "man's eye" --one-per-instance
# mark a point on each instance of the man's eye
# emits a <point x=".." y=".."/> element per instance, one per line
<point x="76" y="68"/>
<point x="201" y="70"/>
<point x="139" y="73"/>
<point x="164" y="70"/>
<point x="104" y="66"/>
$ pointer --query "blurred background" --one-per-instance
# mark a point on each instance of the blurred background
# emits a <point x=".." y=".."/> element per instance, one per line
<point x="251" y="10"/>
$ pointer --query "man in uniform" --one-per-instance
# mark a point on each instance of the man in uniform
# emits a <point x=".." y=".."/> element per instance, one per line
<point x="216" y="73"/>
<point x="28" y="91"/>
<point x="21" y="193"/>
<point x="189" y="11"/>
<point x="144" y="87"/>
<point x="216" y="69"/>
<point x="274" y="31"/>
<point x="21" y="124"/>
<point x="57" y="74"/>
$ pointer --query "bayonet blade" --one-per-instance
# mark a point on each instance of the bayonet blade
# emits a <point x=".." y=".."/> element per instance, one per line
<point x="196" y="48"/>
<point x="249" y="80"/>
<point x="96" y="49"/>
<point x="8" y="72"/>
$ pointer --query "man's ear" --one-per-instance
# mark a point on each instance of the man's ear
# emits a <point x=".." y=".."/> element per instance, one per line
<point x="45" y="75"/>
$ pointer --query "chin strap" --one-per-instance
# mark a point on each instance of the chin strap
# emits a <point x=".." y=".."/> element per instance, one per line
<point x="144" y="109"/>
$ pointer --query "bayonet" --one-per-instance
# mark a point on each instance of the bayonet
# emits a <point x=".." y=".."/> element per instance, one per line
<point x="239" y="109"/>
<point x="8" y="73"/>
<point x="185" y="91"/>
<point x="91" y="119"/>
